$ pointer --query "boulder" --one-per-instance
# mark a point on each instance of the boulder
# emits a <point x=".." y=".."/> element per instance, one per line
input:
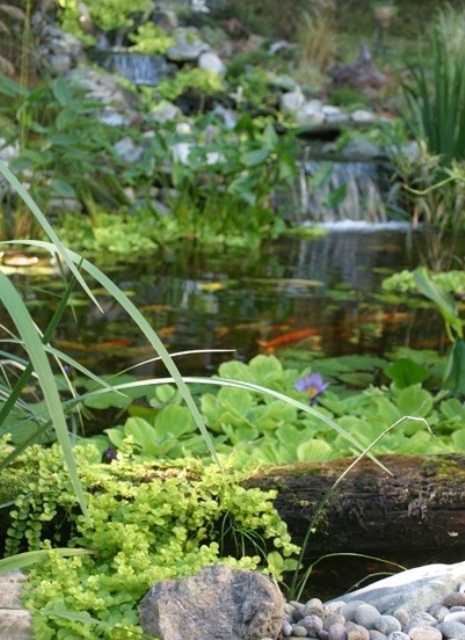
<point x="292" y="102"/>
<point x="210" y="61"/>
<point x="15" y="622"/>
<point x="218" y="603"/>
<point x="188" y="48"/>
<point x="413" y="590"/>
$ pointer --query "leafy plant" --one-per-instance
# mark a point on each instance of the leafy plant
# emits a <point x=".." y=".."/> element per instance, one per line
<point x="436" y="106"/>
<point x="151" y="39"/>
<point x="199" y="80"/>
<point x="107" y="14"/>
<point x="147" y="522"/>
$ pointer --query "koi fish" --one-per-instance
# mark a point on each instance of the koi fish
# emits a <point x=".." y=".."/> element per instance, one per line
<point x="287" y="338"/>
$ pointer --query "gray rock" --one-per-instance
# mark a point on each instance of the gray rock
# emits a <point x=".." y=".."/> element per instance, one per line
<point x="332" y="618"/>
<point x="454" y="599"/>
<point x="455" y="630"/>
<point x="398" y="635"/>
<point x="356" y="632"/>
<point x="287" y="629"/>
<point x="299" y="631"/>
<point x="439" y="612"/>
<point x="127" y="150"/>
<point x="186" y="51"/>
<point x="337" y="632"/>
<point x="210" y="61"/>
<point x="165" y="112"/>
<point x="312" y="623"/>
<point x="425" y="633"/>
<point x="314" y="606"/>
<point x="457" y="616"/>
<point x="402" y="616"/>
<point x="387" y="624"/>
<point x="218" y="603"/>
<point x="367" y="616"/>
<point x="311" y="114"/>
<point x="59" y="63"/>
<point x="15" y="624"/>
<point x="413" y="590"/>
<point x="349" y="609"/>
<point x="377" y="635"/>
<point x="292" y="102"/>
<point x="362" y="116"/>
<point x="11" y="585"/>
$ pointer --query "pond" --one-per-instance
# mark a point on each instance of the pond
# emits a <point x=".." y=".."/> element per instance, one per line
<point x="320" y="294"/>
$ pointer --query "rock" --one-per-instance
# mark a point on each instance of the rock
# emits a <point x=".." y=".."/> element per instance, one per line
<point x="361" y="74"/>
<point x="337" y="632"/>
<point x="312" y="623"/>
<point x="311" y="114"/>
<point x="292" y="102"/>
<point x="388" y="624"/>
<point x="187" y="48"/>
<point x="58" y="50"/>
<point x="367" y="616"/>
<point x="228" y="116"/>
<point x="118" y="105"/>
<point x="210" y="61"/>
<point x="165" y="112"/>
<point x="425" y="633"/>
<point x="455" y="630"/>
<point x="11" y="585"/>
<point x="127" y="150"/>
<point x="218" y="603"/>
<point x="457" y="616"/>
<point x="356" y="632"/>
<point x="439" y="612"/>
<point x="282" y="81"/>
<point x="15" y="624"/>
<point x="413" y="590"/>
<point x="298" y="631"/>
<point x="398" y="635"/>
<point x="57" y="205"/>
<point x="348" y="610"/>
<point x="377" y="635"/>
<point x="280" y="45"/>
<point x="59" y="63"/>
<point x="361" y="116"/>
<point x="454" y="599"/>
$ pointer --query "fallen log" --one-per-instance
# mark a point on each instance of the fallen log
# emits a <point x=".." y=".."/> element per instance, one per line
<point x="420" y="507"/>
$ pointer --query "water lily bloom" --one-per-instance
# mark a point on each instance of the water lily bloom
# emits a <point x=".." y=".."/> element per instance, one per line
<point x="312" y="384"/>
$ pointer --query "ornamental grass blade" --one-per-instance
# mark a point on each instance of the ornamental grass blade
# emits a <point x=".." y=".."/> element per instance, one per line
<point x="28" y="559"/>
<point x="46" y="226"/>
<point x="35" y="349"/>
<point x="144" y="326"/>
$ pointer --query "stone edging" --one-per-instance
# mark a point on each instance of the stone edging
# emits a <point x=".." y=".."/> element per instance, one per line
<point x="15" y="622"/>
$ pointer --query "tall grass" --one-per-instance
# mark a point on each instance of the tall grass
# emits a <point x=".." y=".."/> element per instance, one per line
<point x="435" y="100"/>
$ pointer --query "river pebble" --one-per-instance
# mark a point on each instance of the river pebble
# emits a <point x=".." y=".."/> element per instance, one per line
<point x="358" y="620"/>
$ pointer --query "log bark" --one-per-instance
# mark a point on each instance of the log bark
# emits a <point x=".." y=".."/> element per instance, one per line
<point x="420" y="507"/>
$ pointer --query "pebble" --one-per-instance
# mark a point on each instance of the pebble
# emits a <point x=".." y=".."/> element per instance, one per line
<point x="359" y="620"/>
<point x="454" y="599"/>
<point x="452" y="629"/>
<point x="425" y="633"/>
<point x="367" y="616"/>
<point x="388" y="624"/>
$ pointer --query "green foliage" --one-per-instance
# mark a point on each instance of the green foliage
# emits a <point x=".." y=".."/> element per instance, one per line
<point x="199" y="80"/>
<point x="151" y="39"/>
<point x="436" y="105"/>
<point x="250" y="427"/>
<point x="106" y="14"/>
<point x="147" y="522"/>
<point x="404" y="282"/>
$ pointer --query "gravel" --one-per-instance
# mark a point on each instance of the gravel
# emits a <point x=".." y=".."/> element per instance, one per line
<point x="359" y="620"/>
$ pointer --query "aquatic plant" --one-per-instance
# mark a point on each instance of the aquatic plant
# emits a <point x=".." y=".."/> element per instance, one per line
<point x="436" y="106"/>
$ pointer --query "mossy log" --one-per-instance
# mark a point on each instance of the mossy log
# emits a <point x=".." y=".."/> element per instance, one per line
<point x="420" y="506"/>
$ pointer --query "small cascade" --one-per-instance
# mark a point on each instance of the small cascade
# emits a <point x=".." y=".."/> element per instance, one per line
<point x="348" y="186"/>
<point x="138" y="68"/>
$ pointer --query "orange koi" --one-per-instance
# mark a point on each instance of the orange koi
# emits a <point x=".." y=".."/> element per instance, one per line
<point x="287" y="338"/>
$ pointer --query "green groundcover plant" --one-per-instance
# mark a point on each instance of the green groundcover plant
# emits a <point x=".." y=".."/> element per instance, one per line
<point x="146" y="521"/>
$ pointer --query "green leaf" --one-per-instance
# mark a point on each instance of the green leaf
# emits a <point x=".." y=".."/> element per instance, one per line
<point x="38" y="357"/>
<point x="456" y="377"/>
<point x="442" y="300"/>
<point x="458" y="438"/>
<point x="405" y="373"/>
<point x="254" y="158"/>
<point x="174" y="421"/>
<point x="415" y="401"/>
<point x="316" y="450"/>
<point x="144" y="435"/>
<point x="28" y="559"/>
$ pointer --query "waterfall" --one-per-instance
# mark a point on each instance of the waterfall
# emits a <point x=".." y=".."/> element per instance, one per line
<point x="138" y="68"/>
<point x="348" y="186"/>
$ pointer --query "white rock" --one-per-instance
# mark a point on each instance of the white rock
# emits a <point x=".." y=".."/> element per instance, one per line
<point x="127" y="150"/>
<point x="310" y="115"/>
<point x="181" y="152"/>
<point x="210" y="61"/>
<point x="165" y="112"/>
<point x="361" y="116"/>
<point x="292" y="102"/>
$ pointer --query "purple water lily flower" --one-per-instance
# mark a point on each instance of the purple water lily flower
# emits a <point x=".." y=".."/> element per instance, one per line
<point x="312" y="384"/>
